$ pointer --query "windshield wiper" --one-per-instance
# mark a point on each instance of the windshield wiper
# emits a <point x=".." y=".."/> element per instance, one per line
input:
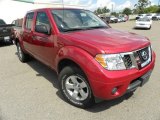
<point x="89" y="28"/>
<point x="96" y="27"/>
<point x="73" y="29"/>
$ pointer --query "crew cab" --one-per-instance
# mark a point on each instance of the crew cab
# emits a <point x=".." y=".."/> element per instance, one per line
<point x="92" y="59"/>
<point x="6" y="32"/>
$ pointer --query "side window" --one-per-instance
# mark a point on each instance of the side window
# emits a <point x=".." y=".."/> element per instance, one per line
<point x="42" y="19"/>
<point x="29" y="19"/>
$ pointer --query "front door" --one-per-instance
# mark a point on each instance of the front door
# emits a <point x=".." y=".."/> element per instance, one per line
<point x="43" y="43"/>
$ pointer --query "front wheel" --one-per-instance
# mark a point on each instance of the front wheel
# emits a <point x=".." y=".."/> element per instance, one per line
<point x="75" y="87"/>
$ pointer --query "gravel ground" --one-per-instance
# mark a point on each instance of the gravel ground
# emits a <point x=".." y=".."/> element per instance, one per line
<point x="29" y="91"/>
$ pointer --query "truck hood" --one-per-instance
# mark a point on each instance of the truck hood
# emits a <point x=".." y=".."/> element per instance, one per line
<point x="107" y="40"/>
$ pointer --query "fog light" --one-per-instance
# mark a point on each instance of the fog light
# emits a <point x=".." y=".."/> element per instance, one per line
<point x="114" y="90"/>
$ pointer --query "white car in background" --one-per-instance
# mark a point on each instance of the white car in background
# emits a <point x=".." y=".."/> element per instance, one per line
<point x="156" y="17"/>
<point x="144" y="23"/>
<point x="151" y="15"/>
<point x="113" y="19"/>
<point x="140" y="16"/>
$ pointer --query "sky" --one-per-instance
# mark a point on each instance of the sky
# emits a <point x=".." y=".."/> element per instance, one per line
<point x="11" y="10"/>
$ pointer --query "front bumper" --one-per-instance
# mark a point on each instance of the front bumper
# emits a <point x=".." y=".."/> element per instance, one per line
<point x="103" y="81"/>
<point x="143" y="26"/>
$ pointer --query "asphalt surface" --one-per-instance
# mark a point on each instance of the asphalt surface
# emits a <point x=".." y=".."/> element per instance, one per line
<point x="29" y="91"/>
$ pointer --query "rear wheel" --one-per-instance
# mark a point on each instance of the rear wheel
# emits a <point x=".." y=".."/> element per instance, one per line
<point x="23" y="57"/>
<point x="75" y="87"/>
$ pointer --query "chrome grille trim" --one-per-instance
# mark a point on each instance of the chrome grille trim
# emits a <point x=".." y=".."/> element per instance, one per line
<point x="135" y="58"/>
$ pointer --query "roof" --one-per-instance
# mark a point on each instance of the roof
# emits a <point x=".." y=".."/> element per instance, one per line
<point x="60" y="8"/>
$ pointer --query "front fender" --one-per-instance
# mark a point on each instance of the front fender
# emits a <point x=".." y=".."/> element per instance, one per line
<point x="82" y="58"/>
<point x="75" y="54"/>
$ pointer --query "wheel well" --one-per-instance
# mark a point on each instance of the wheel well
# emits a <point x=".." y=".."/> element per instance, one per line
<point x="66" y="62"/>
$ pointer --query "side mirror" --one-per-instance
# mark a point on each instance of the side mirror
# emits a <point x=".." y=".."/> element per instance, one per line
<point x="43" y="29"/>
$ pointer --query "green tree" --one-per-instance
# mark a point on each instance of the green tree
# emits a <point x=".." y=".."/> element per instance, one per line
<point x="141" y="5"/>
<point x="151" y="9"/>
<point x="127" y="11"/>
<point x="105" y="10"/>
<point x="135" y="11"/>
<point x="114" y="14"/>
<point x="102" y="10"/>
<point x="158" y="11"/>
<point x="99" y="11"/>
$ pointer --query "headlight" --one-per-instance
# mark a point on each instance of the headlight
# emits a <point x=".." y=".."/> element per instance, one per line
<point x="111" y="62"/>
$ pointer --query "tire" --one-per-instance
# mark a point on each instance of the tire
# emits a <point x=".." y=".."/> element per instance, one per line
<point x="149" y="27"/>
<point x="11" y="42"/>
<point x="23" y="57"/>
<point x="75" y="88"/>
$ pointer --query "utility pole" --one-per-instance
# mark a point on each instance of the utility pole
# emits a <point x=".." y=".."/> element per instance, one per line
<point x="112" y="8"/>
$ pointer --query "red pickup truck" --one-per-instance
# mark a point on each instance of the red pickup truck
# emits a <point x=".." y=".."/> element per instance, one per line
<point x="91" y="59"/>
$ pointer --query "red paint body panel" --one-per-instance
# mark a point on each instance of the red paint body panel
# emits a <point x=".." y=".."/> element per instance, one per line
<point x="82" y="47"/>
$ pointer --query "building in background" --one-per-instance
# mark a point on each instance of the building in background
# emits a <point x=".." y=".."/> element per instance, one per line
<point x="50" y="3"/>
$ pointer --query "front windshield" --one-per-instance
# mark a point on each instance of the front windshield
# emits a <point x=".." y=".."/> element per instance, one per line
<point x="76" y="19"/>
<point x="2" y="22"/>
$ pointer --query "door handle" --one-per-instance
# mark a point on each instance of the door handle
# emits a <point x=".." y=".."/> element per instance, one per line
<point x="34" y="37"/>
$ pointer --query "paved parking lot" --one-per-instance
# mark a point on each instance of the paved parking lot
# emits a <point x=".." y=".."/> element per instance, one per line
<point x="29" y="91"/>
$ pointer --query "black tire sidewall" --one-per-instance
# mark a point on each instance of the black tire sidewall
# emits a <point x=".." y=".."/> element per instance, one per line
<point x="24" y="57"/>
<point x="65" y="73"/>
<point x="19" y="47"/>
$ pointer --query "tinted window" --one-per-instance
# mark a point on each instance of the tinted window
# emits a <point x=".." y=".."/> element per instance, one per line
<point x="42" y="19"/>
<point x="2" y="22"/>
<point x="29" y="19"/>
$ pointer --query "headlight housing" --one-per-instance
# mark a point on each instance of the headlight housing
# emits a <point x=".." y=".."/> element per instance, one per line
<point x="111" y="61"/>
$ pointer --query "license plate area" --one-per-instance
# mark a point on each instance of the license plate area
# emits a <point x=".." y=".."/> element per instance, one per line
<point x="6" y="38"/>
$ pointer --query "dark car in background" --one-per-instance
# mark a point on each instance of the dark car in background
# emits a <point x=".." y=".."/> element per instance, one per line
<point x="106" y="19"/>
<point x="6" y="32"/>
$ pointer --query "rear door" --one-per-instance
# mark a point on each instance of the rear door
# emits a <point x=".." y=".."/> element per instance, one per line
<point x="28" y="33"/>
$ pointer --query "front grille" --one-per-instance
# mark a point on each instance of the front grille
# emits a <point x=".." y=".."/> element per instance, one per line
<point x="143" y="54"/>
<point x="127" y="61"/>
<point x="137" y="59"/>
